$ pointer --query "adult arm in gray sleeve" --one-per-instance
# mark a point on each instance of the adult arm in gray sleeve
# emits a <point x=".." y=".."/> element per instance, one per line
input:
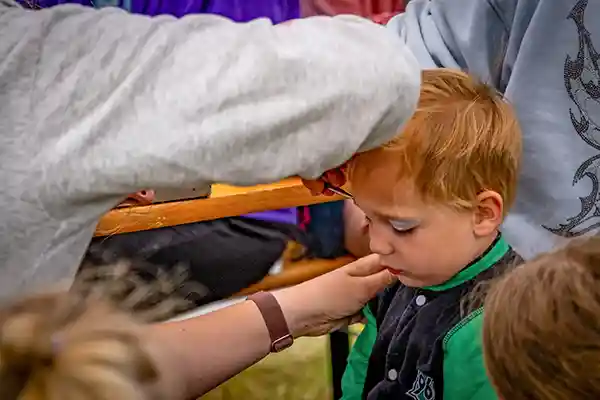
<point x="112" y="102"/>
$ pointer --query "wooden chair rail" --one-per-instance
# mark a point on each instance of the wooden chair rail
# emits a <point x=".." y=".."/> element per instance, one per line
<point x="224" y="201"/>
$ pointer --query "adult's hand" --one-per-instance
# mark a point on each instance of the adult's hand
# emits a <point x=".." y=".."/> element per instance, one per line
<point x="335" y="299"/>
<point x="141" y="198"/>
<point x="336" y="177"/>
<point x="195" y="355"/>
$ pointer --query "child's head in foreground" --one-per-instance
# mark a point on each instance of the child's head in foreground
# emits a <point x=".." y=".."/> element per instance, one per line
<point x="61" y="347"/>
<point x="86" y="343"/>
<point x="436" y="195"/>
<point x="541" y="331"/>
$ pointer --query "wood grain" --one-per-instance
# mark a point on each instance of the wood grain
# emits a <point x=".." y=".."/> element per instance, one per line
<point x="224" y="201"/>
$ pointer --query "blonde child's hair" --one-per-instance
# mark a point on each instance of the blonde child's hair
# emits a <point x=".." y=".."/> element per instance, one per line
<point x="541" y="329"/>
<point x="463" y="139"/>
<point x="86" y="343"/>
<point x="61" y="347"/>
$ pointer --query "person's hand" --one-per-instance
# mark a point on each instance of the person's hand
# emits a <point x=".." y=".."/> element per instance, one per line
<point x="141" y="198"/>
<point x="336" y="177"/>
<point x="333" y="300"/>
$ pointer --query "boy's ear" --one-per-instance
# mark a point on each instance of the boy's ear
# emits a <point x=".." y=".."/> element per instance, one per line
<point x="488" y="213"/>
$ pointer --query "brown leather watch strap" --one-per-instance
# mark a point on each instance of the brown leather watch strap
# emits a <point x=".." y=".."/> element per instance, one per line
<point x="281" y="338"/>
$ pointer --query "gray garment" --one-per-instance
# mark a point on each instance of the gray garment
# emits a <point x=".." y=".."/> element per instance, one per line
<point x="98" y="104"/>
<point x="541" y="54"/>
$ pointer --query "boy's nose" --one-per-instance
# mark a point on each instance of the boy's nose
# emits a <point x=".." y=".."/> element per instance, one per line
<point x="378" y="243"/>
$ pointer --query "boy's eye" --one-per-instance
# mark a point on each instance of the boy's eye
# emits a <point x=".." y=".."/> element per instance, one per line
<point x="405" y="231"/>
<point x="403" y="226"/>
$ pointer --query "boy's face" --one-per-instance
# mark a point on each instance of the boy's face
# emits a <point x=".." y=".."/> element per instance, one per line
<point x="423" y="244"/>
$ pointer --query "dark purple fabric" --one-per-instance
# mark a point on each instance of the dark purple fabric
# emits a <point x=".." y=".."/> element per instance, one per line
<point x="237" y="10"/>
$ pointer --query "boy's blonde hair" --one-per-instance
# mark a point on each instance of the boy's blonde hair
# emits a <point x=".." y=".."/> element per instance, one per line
<point x="541" y="329"/>
<point x="463" y="139"/>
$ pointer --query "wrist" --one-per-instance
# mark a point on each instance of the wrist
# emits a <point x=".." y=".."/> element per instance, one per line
<point x="295" y="312"/>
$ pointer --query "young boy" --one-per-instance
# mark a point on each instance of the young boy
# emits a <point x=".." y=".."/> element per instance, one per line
<point x="550" y="348"/>
<point x="434" y="199"/>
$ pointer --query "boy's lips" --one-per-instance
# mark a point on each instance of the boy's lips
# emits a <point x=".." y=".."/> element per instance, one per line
<point x="394" y="270"/>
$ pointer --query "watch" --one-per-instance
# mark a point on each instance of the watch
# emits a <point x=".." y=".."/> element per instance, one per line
<point x="267" y="304"/>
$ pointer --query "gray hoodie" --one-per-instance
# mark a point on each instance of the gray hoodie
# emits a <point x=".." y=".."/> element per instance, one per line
<point x="99" y="104"/>
<point x="542" y="54"/>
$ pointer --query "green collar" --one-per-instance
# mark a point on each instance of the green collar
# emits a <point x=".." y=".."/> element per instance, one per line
<point x="487" y="260"/>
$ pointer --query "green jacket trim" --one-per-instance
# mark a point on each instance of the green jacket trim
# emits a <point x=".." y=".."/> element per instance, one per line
<point x="488" y="260"/>
<point x="465" y="377"/>
<point x="355" y="374"/>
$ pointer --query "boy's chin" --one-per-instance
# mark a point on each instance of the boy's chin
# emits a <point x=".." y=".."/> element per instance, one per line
<point x="410" y="280"/>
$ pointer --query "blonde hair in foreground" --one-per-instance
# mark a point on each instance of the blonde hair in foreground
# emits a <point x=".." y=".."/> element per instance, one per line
<point x="541" y="331"/>
<point x="82" y="344"/>
<point x="463" y="139"/>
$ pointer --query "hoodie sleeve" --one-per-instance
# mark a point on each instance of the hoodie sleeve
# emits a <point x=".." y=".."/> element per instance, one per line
<point x="113" y="103"/>
<point x="481" y="37"/>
